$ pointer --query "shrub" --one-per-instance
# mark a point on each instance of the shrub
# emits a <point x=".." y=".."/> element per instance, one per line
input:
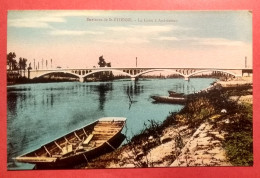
<point x="239" y="148"/>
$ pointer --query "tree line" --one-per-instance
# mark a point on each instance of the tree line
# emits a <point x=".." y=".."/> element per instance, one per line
<point x="14" y="65"/>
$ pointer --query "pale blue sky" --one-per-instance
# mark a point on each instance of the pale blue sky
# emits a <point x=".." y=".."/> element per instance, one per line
<point x="192" y="38"/>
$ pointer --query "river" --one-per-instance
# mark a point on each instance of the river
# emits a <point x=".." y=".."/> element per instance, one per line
<point x="40" y="113"/>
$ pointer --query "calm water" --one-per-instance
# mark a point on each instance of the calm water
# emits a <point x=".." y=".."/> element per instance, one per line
<point x="40" y="113"/>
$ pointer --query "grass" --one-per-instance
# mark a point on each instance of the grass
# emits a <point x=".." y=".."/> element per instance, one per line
<point x="239" y="141"/>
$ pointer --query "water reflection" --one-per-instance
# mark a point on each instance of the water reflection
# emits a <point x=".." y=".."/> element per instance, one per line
<point x="133" y="88"/>
<point x="187" y="88"/>
<point x="12" y="103"/>
<point x="102" y="90"/>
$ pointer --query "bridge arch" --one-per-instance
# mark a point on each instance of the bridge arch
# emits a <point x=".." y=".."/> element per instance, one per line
<point x="53" y="72"/>
<point x="106" y="70"/>
<point x="154" y="70"/>
<point x="213" y="70"/>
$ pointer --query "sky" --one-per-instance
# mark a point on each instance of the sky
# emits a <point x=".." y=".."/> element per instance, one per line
<point x="76" y="39"/>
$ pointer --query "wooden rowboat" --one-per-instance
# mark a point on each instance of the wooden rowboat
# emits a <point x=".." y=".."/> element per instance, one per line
<point x="175" y="94"/>
<point x="168" y="99"/>
<point x="81" y="145"/>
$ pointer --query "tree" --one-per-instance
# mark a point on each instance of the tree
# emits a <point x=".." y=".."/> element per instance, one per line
<point x="20" y="64"/>
<point x="15" y="65"/>
<point x="102" y="62"/>
<point x="29" y="68"/>
<point x="24" y="65"/>
<point x="11" y="62"/>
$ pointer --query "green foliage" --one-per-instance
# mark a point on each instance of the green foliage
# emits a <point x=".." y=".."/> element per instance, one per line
<point x="239" y="148"/>
<point x="239" y="140"/>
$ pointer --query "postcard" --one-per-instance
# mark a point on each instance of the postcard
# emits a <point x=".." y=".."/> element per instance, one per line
<point x="90" y="89"/>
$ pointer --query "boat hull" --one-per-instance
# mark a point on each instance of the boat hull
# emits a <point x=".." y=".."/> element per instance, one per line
<point x="167" y="99"/>
<point x="82" y="158"/>
<point x="78" y="146"/>
<point x="174" y="94"/>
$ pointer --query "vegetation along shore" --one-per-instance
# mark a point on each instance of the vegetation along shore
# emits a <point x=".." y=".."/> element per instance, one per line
<point x="214" y="128"/>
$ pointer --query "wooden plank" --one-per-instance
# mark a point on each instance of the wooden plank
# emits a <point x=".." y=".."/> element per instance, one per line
<point x="103" y="129"/>
<point x="110" y="146"/>
<point x="85" y="143"/>
<point x="104" y="133"/>
<point x="56" y="156"/>
<point x="106" y="128"/>
<point x="57" y="145"/>
<point x="115" y="122"/>
<point x="35" y="159"/>
<point x="67" y="149"/>
<point x="106" y="124"/>
<point x="76" y="135"/>
<point x="47" y="150"/>
<point x="85" y="132"/>
<point x="98" y="135"/>
<point x="67" y="140"/>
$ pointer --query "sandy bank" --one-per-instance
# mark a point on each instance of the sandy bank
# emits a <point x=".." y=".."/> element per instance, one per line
<point x="237" y="81"/>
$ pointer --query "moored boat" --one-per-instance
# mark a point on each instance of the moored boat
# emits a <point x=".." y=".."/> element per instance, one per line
<point x="168" y="99"/>
<point x="175" y="94"/>
<point x="81" y="145"/>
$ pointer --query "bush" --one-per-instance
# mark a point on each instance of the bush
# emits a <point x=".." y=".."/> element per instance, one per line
<point x="239" y="140"/>
<point x="239" y="148"/>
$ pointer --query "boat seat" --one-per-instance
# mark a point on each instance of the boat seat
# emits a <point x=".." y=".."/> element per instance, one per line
<point x="67" y="149"/>
<point x="85" y="143"/>
<point x="56" y="156"/>
<point x="79" y="149"/>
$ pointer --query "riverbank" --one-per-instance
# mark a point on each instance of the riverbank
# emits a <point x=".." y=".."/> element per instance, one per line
<point x="213" y="129"/>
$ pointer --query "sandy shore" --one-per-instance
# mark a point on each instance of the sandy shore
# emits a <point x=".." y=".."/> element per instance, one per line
<point x="237" y="81"/>
<point x="242" y="81"/>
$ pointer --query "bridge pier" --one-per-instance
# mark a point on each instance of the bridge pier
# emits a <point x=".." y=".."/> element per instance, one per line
<point x="186" y="78"/>
<point x="134" y="78"/>
<point x="81" y="79"/>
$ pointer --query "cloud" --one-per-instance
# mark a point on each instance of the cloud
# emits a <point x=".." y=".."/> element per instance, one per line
<point x="129" y="40"/>
<point x="41" y="19"/>
<point x="167" y="38"/>
<point x="76" y="13"/>
<point x="133" y="34"/>
<point x="218" y="42"/>
<point x="34" y="22"/>
<point x="27" y="24"/>
<point x="73" y="32"/>
<point x="138" y="34"/>
<point x="137" y="40"/>
<point x="140" y="29"/>
<point x="202" y="41"/>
